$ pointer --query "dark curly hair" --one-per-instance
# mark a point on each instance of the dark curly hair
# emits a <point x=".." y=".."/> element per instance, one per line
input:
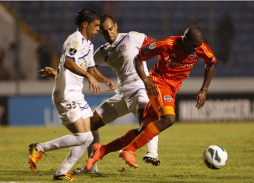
<point x="86" y="14"/>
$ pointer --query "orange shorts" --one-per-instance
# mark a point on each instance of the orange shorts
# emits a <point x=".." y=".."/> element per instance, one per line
<point x="164" y="98"/>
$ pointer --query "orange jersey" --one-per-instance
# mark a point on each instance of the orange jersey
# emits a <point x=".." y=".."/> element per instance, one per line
<point x="173" y="64"/>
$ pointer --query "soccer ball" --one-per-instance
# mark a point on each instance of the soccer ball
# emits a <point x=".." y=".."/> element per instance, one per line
<point x="215" y="157"/>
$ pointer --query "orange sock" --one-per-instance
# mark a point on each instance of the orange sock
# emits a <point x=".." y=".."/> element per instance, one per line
<point x="143" y="138"/>
<point x="120" y="142"/>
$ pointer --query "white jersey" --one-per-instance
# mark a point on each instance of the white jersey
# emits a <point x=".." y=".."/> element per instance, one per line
<point x="68" y="86"/>
<point x="120" y="56"/>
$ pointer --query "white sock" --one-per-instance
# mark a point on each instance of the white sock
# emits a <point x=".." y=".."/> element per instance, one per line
<point x="96" y="138"/>
<point x="63" y="142"/>
<point x="75" y="153"/>
<point x="153" y="145"/>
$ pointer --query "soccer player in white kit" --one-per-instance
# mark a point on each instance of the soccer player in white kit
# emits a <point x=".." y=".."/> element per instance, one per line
<point x="76" y="63"/>
<point x="119" y="53"/>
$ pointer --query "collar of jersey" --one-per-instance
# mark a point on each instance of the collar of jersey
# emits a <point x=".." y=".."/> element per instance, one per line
<point x="84" y="39"/>
<point x="87" y="42"/>
<point x="117" y="39"/>
<point x="115" y="46"/>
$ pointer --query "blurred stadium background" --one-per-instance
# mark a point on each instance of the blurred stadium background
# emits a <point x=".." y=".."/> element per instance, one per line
<point x="32" y="34"/>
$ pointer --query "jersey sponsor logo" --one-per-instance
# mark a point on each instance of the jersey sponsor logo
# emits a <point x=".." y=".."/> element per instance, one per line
<point x="167" y="98"/>
<point x="123" y="48"/>
<point x="73" y="51"/>
<point x="83" y="65"/>
<point x="179" y="64"/>
<point x="191" y="56"/>
<point x="152" y="45"/>
<point x="136" y="79"/>
<point x="126" y="60"/>
<point x="145" y="50"/>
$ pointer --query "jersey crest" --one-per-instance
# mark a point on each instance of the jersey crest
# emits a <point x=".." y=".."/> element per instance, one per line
<point x="123" y="48"/>
<point x="172" y="55"/>
<point x="167" y="98"/>
<point x="192" y="55"/>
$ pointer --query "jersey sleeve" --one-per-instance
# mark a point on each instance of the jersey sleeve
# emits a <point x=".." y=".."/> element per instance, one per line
<point x="91" y="62"/>
<point x="72" y="48"/>
<point x="137" y="38"/>
<point x="152" y="49"/>
<point x="207" y="55"/>
<point x="99" y="58"/>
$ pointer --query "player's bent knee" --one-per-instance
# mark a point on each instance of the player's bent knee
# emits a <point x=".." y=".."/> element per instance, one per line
<point x="96" y="122"/>
<point x="167" y="116"/>
<point x="169" y="119"/>
<point x="138" y="130"/>
<point x="84" y="137"/>
<point x="90" y="138"/>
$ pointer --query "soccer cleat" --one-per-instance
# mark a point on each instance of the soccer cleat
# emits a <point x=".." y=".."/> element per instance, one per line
<point x="94" y="169"/>
<point x="79" y="170"/>
<point x="95" y="156"/>
<point x="151" y="158"/>
<point x="66" y="176"/>
<point x="129" y="157"/>
<point x="82" y="169"/>
<point x="34" y="156"/>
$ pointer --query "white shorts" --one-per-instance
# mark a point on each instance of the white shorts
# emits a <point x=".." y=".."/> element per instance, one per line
<point x="70" y="111"/>
<point x="120" y="105"/>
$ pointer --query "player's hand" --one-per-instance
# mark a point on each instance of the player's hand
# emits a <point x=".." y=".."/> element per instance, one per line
<point x="150" y="87"/>
<point x="201" y="98"/>
<point x="111" y="85"/>
<point x="93" y="83"/>
<point x="47" y="72"/>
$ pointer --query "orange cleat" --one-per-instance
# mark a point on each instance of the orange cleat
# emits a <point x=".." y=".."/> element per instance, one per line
<point x="66" y="176"/>
<point x="34" y="156"/>
<point x="95" y="156"/>
<point x="129" y="157"/>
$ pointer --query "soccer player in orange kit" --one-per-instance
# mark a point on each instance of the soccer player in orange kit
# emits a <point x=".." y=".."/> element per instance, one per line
<point x="177" y="56"/>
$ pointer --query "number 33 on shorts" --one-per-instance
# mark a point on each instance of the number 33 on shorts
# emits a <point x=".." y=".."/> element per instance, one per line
<point x="78" y="109"/>
<point x="72" y="110"/>
<point x="72" y="105"/>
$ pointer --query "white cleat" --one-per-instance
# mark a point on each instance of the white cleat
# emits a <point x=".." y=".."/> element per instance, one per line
<point x="82" y="169"/>
<point x="94" y="169"/>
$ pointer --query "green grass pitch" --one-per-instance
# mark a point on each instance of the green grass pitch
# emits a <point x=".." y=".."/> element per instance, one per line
<point x="180" y="152"/>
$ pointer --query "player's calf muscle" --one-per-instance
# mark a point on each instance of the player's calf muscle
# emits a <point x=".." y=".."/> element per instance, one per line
<point x="165" y="122"/>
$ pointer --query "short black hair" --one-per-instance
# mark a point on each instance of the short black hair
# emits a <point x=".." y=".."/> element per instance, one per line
<point x="86" y="14"/>
<point x="193" y="33"/>
<point x="103" y="18"/>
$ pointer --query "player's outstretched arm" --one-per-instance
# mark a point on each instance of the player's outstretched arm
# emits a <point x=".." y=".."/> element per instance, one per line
<point x="73" y="67"/>
<point x="47" y="72"/>
<point x="201" y="96"/>
<point x="151" y="89"/>
<point x="99" y="77"/>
